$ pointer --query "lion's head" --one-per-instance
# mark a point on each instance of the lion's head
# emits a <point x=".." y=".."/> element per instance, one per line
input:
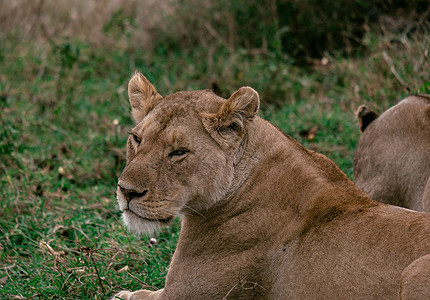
<point x="181" y="153"/>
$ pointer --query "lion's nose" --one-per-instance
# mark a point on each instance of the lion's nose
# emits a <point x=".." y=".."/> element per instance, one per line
<point x="132" y="194"/>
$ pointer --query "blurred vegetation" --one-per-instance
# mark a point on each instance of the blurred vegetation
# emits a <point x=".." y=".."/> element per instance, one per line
<point x="64" y="113"/>
<point x="301" y="30"/>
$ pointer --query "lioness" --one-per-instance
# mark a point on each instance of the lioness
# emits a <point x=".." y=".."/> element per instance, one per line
<point x="263" y="217"/>
<point x="392" y="160"/>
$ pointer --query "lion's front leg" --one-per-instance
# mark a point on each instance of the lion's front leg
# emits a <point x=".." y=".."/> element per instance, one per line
<point x="138" y="295"/>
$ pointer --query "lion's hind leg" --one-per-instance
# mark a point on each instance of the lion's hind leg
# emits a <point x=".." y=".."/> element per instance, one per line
<point x="415" y="279"/>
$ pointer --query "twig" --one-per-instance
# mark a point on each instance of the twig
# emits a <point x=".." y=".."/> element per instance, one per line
<point x="242" y="284"/>
<point x="390" y="63"/>
<point x="423" y="17"/>
<point x="142" y="282"/>
<point x="111" y="260"/>
<point x="217" y="36"/>
<point x="98" y="274"/>
<point x="234" y="286"/>
<point x="82" y="232"/>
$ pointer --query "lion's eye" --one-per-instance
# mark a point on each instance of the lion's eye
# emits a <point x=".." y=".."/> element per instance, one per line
<point x="178" y="152"/>
<point x="136" y="138"/>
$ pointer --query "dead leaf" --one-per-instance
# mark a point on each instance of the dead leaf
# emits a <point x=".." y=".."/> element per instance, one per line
<point x="123" y="269"/>
<point x="44" y="245"/>
<point x="309" y="134"/>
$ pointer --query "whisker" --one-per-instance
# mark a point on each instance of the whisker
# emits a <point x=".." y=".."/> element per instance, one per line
<point x="192" y="209"/>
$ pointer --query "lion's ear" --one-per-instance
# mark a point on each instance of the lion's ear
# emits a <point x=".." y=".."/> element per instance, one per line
<point x="365" y="116"/>
<point x="142" y="95"/>
<point x="245" y="102"/>
<point x="235" y="114"/>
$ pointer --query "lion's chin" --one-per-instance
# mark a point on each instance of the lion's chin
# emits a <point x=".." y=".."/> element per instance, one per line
<point x="140" y="225"/>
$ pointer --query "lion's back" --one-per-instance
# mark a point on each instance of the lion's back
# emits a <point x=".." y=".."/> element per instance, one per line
<point x="392" y="160"/>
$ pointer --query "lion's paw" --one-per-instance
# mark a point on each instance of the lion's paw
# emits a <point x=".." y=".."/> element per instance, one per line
<point x="125" y="295"/>
<point x="137" y="295"/>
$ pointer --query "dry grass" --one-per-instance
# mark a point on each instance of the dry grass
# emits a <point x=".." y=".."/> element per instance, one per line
<point x="52" y="20"/>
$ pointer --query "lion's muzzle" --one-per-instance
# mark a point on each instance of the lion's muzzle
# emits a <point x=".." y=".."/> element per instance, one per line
<point x="131" y="194"/>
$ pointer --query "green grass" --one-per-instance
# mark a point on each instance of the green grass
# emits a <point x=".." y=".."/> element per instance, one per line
<point x="64" y="118"/>
<point x="322" y="128"/>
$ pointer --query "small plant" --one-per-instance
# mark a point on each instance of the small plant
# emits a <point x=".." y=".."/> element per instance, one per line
<point x="425" y="88"/>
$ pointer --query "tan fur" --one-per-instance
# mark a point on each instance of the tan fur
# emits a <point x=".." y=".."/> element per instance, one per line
<point x="414" y="280"/>
<point x="392" y="160"/>
<point x="262" y="216"/>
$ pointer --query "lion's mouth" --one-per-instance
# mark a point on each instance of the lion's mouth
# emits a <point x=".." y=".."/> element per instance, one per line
<point x="163" y="221"/>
